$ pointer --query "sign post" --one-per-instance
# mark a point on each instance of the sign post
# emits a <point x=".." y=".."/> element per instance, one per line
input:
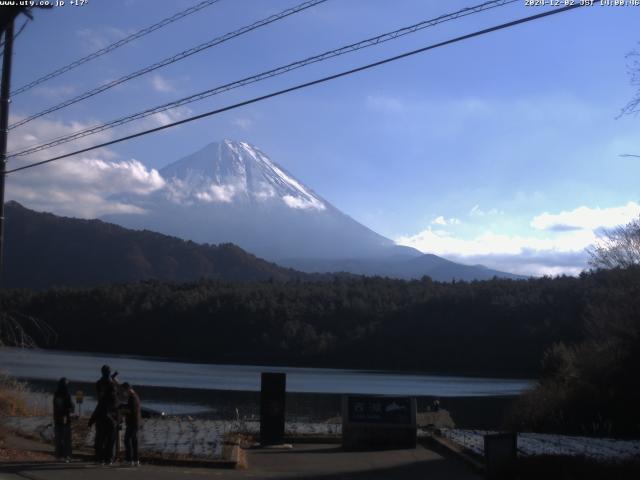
<point x="272" y="408"/>
<point x="501" y="455"/>
<point x="79" y="400"/>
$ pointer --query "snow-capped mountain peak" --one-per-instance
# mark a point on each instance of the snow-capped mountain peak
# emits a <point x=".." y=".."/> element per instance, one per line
<point x="233" y="192"/>
<point x="229" y="172"/>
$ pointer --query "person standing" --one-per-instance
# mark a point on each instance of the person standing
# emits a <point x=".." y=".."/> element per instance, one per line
<point x="105" y="417"/>
<point x="106" y="381"/>
<point x="62" y="410"/>
<point x="133" y="421"/>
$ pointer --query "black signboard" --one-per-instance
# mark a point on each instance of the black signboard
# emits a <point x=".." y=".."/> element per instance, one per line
<point x="378" y="409"/>
<point x="378" y="421"/>
<point x="272" y="407"/>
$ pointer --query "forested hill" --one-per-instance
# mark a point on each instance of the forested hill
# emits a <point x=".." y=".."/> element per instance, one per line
<point x="45" y="250"/>
<point x="495" y="327"/>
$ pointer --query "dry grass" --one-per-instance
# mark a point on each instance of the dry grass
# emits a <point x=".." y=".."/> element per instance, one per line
<point x="13" y="397"/>
<point x="14" y="401"/>
<point x="244" y="440"/>
<point x="440" y="419"/>
<point x="12" y="455"/>
<point x="79" y="434"/>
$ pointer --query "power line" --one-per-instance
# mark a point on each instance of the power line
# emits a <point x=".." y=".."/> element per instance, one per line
<point x="169" y="60"/>
<point x="305" y="85"/>
<point x="118" y="44"/>
<point x="265" y="75"/>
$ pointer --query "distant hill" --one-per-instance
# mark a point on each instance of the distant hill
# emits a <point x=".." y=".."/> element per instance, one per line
<point x="44" y="250"/>
<point x="405" y="267"/>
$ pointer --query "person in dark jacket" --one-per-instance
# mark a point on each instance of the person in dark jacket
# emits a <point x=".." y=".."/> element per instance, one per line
<point x="133" y="420"/>
<point x="106" y="381"/>
<point x="105" y="417"/>
<point x="62" y="410"/>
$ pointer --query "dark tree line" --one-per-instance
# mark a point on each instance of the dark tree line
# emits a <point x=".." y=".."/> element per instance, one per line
<point x="581" y="336"/>
<point x="497" y="327"/>
<point x="593" y="386"/>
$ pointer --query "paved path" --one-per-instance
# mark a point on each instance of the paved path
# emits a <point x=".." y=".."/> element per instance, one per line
<point x="330" y="462"/>
<point x="309" y="461"/>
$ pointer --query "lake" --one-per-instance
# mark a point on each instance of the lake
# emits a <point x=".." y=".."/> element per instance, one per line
<point x="50" y="365"/>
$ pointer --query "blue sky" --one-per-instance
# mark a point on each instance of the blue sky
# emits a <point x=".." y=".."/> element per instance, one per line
<point x="502" y="150"/>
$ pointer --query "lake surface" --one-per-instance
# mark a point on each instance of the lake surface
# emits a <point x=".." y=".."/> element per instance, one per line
<point x="85" y="367"/>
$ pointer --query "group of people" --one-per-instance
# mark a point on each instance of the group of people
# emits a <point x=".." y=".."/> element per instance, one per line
<point x="114" y="401"/>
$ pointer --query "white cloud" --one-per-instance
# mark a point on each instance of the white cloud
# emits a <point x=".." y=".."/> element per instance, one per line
<point x="176" y="191"/>
<point x="84" y="185"/>
<point x="385" y="103"/>
<point x="166" y="117"/>
<point x="442" y="242"/>
<point x="526" y="255"/>
<point x="476" y="211"/>
<point x="392" y="104"/>
<point x="303" y="203"/>
<point x="54" y="92"/>
<point x="161" y="84"/>
<point x="266" y="191"/>
<point x="93" y="39"/>
<point x="445" y="221"/>
<point x="242" y="122"/>
<point x="587" y="218"/>
<point x="556" y="244"/>
<point x="218" y="193"/>
<point x="42" y="130"/>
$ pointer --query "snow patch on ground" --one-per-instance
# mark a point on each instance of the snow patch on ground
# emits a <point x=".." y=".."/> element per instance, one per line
<point x="196" y="438"/>
<point x="530" y="444"/>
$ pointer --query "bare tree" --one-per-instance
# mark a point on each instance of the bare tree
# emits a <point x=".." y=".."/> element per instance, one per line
<point x="14" y="326"/>
<point x="618" y="247"/>
<point x="633" y="67"/>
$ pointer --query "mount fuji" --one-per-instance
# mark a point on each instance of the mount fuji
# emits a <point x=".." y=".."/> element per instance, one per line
<point x="233" y="192"/>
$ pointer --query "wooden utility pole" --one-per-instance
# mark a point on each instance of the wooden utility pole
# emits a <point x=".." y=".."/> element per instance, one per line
<point x="5" y="92"/>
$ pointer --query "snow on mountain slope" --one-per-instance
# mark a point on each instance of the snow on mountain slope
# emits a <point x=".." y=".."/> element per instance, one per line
<point x="233" y="192"/>
<point x="236" y="172"/>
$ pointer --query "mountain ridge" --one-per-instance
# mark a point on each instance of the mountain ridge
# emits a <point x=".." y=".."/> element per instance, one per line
<point x="232" y="193"/>
<point x="45" y="250"/>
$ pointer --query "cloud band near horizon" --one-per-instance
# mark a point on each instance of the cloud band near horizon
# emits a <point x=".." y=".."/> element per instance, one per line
<point x="554" y="245"/>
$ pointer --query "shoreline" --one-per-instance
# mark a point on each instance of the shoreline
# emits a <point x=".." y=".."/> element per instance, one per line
<point x="479" y="412"/>
<point x="492" y="375"/>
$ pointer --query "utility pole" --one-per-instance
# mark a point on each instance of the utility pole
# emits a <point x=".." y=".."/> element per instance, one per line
<point x="5" y="92"/>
